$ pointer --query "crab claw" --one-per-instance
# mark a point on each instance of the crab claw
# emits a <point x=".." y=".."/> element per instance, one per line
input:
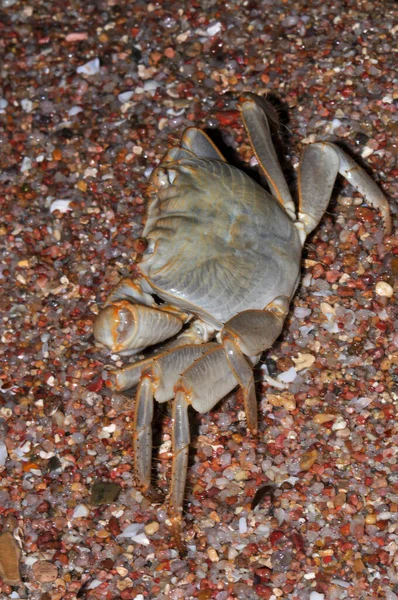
<point x="127" y="328"/>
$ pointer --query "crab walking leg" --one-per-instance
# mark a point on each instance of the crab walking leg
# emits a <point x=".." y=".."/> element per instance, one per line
<point x="255" y="112"/>
<point x="157" y="383"/>
<point x="142" y="438"/>
<point x="202" y="385"/>
<point x="320" y="164"/>
<point x="248" y="335"/>
<point x="180" y="441"/>
<point x="243" y="372"/>
<point x="198" y="142"/>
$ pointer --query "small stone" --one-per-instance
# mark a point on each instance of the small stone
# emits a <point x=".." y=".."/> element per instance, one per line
<point x="308" y="459"/>
<point x="169" y="52"/>
<point x="10" y="555"/>
<point x="104" y="492"/>
<point x="322" y="418"/>
<point x="45" y="571"/>
<point x="370" y="519"/>
<point x="80" y="511"/>
<point x="151" y="528"/>
<point x="285" y="399"/>
<point x="241" y="475"/>
<point x="212" y="554"/>
<point x="384" y="289"/>
<point x="61" y="205"/>
<point x="90" y="68"/>
<point x="339" y="424"/>
<point x="303" y="361"/>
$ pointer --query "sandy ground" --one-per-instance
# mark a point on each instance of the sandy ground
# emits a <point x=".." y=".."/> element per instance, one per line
<point x="92" y="95"/>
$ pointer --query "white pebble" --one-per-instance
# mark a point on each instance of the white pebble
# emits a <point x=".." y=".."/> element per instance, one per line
<point x="288" y="376"/>
<point x="232" y="553"/>
<point x="384" y="289"/>
<point x="26" y="164"/>
<point x="151" y="86"/>
<point x="3" y="453"/>
<point x="131" y="530"/>
<point x="61" y="205"/>
<point x="339" y="424"/>
<point x="3" y="105"/>
<point x="125" y="96"/>
<point x="75" y="110"/>
<point x="91" y="67"/>
<point x="242" y="525"/>
<point x="214" y="29"/>
<point x="317" y="596"/>
<point x="142" y="539"/>
<point x="27" y="105"/>
<point x="367" y="151"/>
<point x="81" y="511"/>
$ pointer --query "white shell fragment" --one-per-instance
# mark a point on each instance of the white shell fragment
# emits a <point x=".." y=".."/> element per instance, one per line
<point x="90" y="68"/>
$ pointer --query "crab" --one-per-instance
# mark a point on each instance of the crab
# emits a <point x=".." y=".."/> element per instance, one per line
<point x="220" y="269"/>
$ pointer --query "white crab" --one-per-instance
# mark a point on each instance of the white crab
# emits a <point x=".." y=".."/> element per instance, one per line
<point x="224" y="254"/>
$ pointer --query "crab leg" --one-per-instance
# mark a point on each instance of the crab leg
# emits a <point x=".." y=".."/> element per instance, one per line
<point x="248" y="335"/>
<point x="157" y="381"/>
<point x="142" y="438"/>
<point x="202" y="385"/>
<point x="320" y="164"/>
<point x="128" y="376"/>
<point x="198" y="142"/>
<point x="256" y="113"/>
<point x="244" y="376"/>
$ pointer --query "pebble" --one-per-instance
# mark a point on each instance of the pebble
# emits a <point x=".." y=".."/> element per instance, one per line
<point x="10" y="556"/>
<point x="92" y="67"/>
<point x="308" y="459"/>
<point x="62" y="205"/>
<point x="3" y="453"/>
<point x="285" y="399"/>
<point x="81" y="511"/>
<point x="45" y="571"/>
<point x="213" y="555"/>
<point x="288" y="376"/>
<point x="151" y="528"/>
<point x="322" y="418"/>
<point x="303" y="361"/>
<point x="384" y="289"/>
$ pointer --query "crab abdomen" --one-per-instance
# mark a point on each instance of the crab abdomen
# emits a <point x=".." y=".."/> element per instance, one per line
<point x="220" y="243"/>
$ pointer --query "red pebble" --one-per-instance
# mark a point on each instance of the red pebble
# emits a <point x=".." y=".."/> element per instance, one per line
<point x="227" y="117"/>
<point x="276" y="536"/>
<point x="96" y="385"/>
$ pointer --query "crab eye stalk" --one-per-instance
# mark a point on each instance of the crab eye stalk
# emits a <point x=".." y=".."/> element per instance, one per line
<point x="127" y="328"/>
